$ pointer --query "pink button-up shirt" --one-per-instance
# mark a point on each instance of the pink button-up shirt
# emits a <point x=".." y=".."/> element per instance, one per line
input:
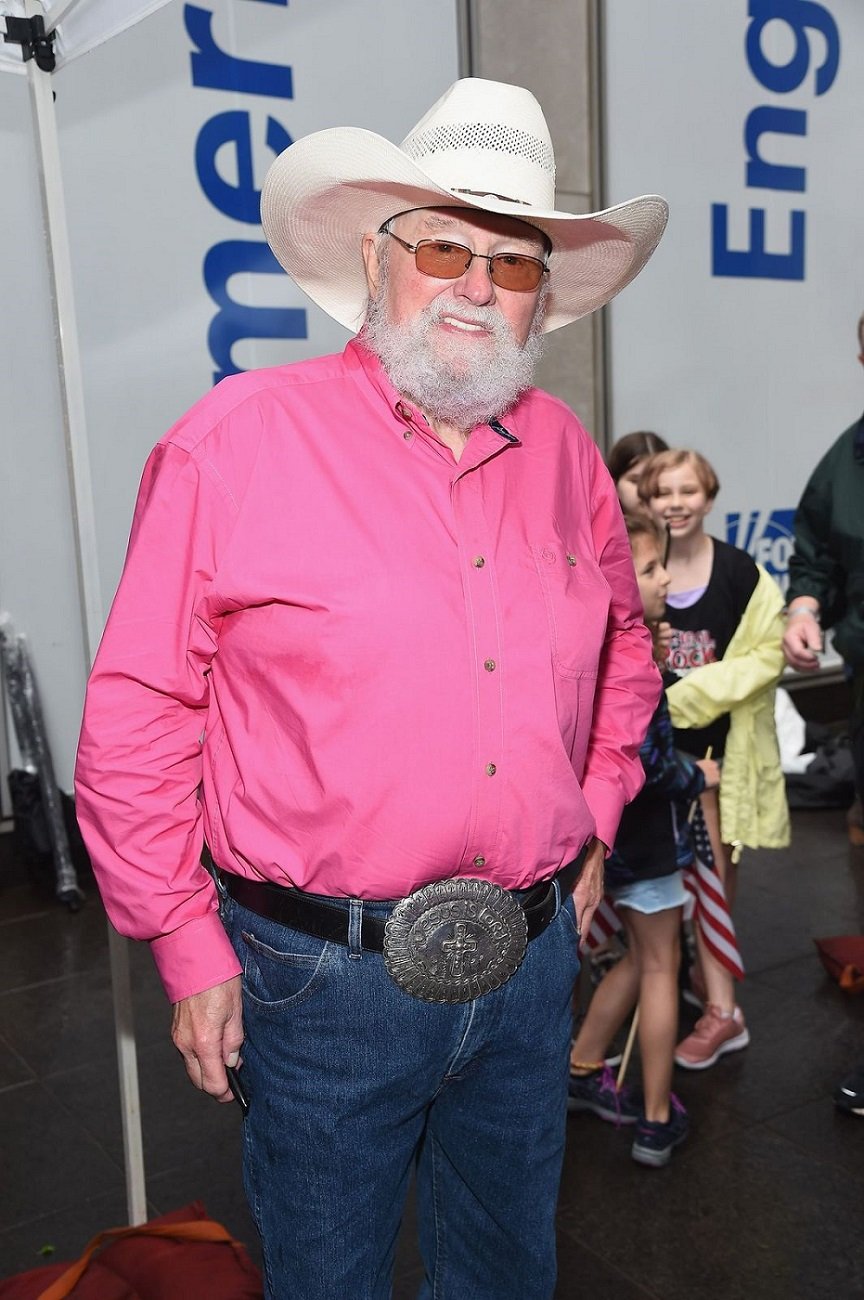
<point x="353" y="664"/>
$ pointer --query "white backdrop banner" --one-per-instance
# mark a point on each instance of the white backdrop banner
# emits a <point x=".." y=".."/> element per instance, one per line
<point x="166" y="132"/>
<point x="740" y="337"/>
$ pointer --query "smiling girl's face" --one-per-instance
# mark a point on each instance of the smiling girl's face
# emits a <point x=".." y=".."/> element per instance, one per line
<point x="680" y="501"/>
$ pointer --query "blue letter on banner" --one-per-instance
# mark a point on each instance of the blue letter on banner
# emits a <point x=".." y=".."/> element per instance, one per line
<point x="234" y="321"/>
<point x="800" y="15"/>
<point x="753" y="262"/>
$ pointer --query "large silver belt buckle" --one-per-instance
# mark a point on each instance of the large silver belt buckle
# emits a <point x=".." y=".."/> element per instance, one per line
<point x="455" y="940"/>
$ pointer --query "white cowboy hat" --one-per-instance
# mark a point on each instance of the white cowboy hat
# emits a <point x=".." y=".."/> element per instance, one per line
<point x="483" y="145"/>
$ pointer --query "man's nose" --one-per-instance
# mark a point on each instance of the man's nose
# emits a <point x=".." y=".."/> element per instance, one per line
<point x="475" y="283"/>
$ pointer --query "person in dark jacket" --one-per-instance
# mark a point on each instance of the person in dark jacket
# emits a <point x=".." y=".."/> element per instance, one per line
<point x="826" y="571"/>
<point x="826" y="589"/>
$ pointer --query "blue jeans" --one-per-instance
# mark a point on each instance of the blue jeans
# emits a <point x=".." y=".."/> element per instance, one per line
<point x="353" y="1082"/>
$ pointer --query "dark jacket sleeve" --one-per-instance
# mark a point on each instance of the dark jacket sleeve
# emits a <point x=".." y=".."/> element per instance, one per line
<point x="667" y="771"/>
<point x="813" y="568"/>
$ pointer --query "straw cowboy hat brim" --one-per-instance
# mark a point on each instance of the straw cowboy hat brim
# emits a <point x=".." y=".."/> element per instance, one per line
<point x="330" y="188"/>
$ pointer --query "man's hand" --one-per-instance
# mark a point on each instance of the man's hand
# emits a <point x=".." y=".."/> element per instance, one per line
<point x="207" y="1030"/>
<point x="802" y="639"/>
<point x="589" y="887"/>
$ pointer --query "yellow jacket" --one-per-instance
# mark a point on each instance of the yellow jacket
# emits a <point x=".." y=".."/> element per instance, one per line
<point x="753" y="808"/>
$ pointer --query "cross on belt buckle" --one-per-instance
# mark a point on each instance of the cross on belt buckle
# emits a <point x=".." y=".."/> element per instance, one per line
<point x="458" y="947"/>
<point x="455" y="940"/>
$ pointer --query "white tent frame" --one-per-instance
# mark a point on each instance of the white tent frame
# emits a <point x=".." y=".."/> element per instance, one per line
<point x="70" y="378"/>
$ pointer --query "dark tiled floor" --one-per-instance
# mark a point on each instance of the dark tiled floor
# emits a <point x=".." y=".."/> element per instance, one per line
<point x="766" y="1200"/>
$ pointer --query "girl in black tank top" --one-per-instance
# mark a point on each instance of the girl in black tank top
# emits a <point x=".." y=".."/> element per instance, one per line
<point x="711" y="586"/>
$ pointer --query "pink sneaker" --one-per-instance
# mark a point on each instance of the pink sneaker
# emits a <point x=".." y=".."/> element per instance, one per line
<point x="714" y="1034"/>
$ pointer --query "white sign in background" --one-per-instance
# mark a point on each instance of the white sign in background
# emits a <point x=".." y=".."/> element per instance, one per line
<point x="159" y="175"/>
<point x="713" y="350"/>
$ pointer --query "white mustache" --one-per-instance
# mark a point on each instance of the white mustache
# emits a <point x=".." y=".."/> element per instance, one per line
<point x="487" y="317"/>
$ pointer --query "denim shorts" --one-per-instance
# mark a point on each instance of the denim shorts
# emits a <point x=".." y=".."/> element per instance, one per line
<point x="652" y="895"/>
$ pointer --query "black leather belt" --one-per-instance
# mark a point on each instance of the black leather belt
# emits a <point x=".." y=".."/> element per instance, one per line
<point x="310" y="914"/>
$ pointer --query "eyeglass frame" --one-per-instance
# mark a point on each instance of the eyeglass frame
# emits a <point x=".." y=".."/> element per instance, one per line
<point x="489" y="258"/>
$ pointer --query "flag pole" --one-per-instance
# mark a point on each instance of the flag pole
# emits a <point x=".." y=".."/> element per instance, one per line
<point x="628" y="1049"/>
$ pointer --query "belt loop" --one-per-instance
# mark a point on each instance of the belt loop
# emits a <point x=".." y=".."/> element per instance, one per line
<point x="355" y="927"/>
<point x="557" y="885"/>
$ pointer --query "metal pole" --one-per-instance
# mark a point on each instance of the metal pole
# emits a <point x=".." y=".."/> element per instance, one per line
<point x="89" y="585"/>
<point x="603" y="414"/>
<point x="466" y="35"/>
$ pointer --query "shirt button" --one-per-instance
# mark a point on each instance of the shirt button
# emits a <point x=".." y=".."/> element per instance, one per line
<point x="479" y="861"/>
<point x="489" y="665"/>
<point x="491" y="769"/>
<point x="407" y="435"/>
<point x="402" y="409"/>
<point x="571" y="559"/>
<point x="478" y="561"/>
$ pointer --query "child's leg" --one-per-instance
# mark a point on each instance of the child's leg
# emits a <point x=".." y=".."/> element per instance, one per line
<point x="611" y="1003"/>
<point x="719" y="984"/>
<point x="654" y="940"/>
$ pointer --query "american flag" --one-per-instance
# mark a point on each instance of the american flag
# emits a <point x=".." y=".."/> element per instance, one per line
<point x="605" y="923"/>
<point x="706" y="905"/>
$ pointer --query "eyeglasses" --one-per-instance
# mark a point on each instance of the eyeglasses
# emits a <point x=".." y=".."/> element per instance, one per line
<point x="444" y="260"/>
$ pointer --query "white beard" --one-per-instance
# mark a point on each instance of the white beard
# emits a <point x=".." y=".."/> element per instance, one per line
<point x="450" y="381"/>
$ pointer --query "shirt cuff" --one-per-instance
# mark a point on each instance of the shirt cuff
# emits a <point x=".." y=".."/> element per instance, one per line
<point x="607" y="805"/>
<point x="196" y="957"/>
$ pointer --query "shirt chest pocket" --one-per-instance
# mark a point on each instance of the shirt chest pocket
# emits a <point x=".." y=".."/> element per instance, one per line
<point x="577" y="598"/>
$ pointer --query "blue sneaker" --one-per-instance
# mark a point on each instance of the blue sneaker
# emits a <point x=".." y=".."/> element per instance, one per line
<point x="653" y="1142"/>
<point x="597" y="1092"/>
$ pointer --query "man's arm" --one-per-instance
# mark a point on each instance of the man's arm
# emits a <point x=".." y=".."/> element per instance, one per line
<point x="139" y="765"/>
<point x="816" y="580"/>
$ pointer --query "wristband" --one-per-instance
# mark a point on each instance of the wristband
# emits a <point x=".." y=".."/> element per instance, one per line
<point x="805" y="609"/>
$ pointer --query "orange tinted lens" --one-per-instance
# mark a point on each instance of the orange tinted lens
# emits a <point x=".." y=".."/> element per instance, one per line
<point x="444" y="261"/>
<point x="510" y="271"/>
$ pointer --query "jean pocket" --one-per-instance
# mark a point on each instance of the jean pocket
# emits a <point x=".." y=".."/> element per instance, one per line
<point x="568" y="911"/>
<point x="275" y="978"/>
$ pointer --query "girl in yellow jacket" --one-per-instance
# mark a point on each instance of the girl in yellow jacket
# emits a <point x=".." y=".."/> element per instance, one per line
<point x="726" y="630"/>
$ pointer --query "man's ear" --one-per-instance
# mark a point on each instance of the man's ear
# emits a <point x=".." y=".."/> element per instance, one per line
<point x="372" y="263"/>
